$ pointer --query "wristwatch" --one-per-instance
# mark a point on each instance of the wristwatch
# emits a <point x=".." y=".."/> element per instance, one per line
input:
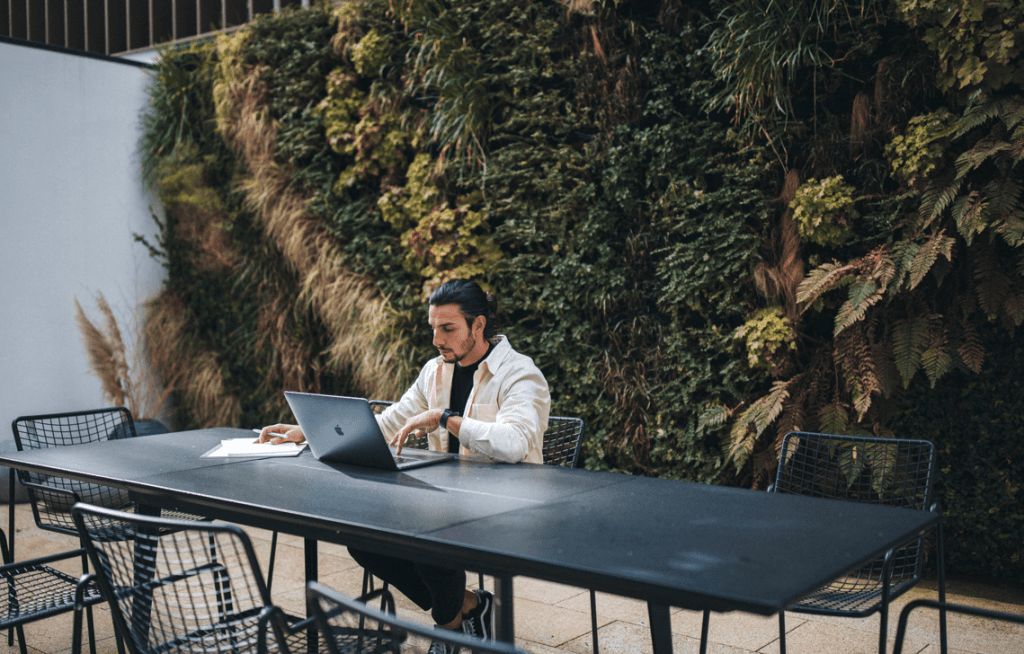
<point x="448" y="413"/>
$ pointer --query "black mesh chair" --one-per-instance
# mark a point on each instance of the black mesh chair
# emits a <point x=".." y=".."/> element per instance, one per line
<point x="183" y="585"/>
<point x="349" y="626"/>
<point x="53" y="497"/>
<point x="943" y="607"/>
<point x="883" y="471"/>
<point x="35" y="591"/>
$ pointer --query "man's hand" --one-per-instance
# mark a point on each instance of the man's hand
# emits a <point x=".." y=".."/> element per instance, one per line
<point x="425" y="422"/>
<point x="277" y="434"/>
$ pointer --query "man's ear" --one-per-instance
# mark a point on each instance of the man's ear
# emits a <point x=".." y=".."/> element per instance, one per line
<point x="480" y="322"/>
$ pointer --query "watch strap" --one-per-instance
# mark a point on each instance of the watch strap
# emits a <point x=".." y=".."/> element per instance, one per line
<point x="448" y="413"/>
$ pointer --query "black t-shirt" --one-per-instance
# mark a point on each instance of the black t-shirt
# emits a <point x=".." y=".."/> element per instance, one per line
<point x="462" y="386"/>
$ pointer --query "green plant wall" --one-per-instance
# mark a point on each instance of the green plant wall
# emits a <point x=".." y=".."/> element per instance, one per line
<point x="700" y="256"/>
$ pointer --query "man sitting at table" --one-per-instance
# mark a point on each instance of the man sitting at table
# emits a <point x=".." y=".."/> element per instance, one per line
<point x="478" y="397"/>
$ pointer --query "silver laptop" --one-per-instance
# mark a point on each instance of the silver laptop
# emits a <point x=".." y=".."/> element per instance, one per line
<point x="344" y="430"/>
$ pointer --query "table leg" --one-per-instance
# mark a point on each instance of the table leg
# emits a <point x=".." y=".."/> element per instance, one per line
<point x="312" y="574"/>
<point x="661" y="628"/>
<point x="504" y="617"/>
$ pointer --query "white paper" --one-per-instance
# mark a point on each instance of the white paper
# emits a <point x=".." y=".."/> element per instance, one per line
<point x="246" y="447"/>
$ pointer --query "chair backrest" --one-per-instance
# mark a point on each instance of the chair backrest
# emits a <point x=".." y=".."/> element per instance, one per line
<point x="414" y="441"/>
<point x="53" y="497"/>
<point x="178" y="585"/>
<point x="349" y="626"/>
<point x="884" y="471"/>
<point x="562" y="442"/>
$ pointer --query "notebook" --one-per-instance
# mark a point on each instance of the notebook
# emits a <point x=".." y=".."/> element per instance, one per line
<point x="344" y="430"/>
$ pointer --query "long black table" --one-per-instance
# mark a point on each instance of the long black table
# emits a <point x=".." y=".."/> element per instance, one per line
<point x="668" y="543"/>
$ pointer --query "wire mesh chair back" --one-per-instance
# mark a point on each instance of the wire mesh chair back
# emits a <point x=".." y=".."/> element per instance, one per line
<point x="414" y="441"/>
<point x="349" y="626"/>
<point x="178" y="585"/>
<point x="53" y="497"/>
<point x="883" y="471"/>
<point x="562" y="442"/>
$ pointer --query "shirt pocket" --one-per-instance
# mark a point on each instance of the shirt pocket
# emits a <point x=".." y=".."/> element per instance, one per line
<point x="484" y="412"/>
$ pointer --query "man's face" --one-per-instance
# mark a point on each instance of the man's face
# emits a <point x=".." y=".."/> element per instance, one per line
<point x="453" y="338"/>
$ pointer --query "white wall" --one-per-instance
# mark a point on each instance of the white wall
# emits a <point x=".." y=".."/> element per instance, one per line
<point x="71" y="196"/>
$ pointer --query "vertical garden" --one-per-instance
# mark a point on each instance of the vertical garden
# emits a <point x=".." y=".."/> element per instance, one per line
<point x="709" y="223"/>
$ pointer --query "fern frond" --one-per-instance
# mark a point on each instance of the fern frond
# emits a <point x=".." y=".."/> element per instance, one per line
<point x="862" y="296"/>
<point x="755" y="420"/>
<point x="833" y="419"/>
<point x="926" y="255"/>
<point x="1003" y="195"/>
<point x="936" y="360"/>
<point x="978" y="115"/>
<point x="715" y="415"/>
<point x="853" y="354"/>
<point x="1011" y="228"/>
<point x="903" y="253"/>
<point x="885" y="370"/>
<point x="1013" y="113"/>
<point x="822" y="279"/>
<point x="979" y="154"/>
<point x="969" y="214"/>
<point x="908" y="342"/>
<point x="937" y="197"/>
<point x="993" y="285"/>
<point x="1014" y="307"/>
<point x="971" y="351"/>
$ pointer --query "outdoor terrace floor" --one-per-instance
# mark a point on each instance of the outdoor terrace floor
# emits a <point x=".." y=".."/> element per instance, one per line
<point x="552" y="618"/>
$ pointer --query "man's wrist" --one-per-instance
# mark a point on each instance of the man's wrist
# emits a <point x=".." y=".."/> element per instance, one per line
<point x="447" y="413"/>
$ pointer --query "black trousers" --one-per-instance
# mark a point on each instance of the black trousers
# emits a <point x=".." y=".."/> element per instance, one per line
<point x="438" y="590"/>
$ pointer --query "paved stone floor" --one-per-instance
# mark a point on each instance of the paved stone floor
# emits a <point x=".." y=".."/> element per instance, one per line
<point x="552" y="618"/>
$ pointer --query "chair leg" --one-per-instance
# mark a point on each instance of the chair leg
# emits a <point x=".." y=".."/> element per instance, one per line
<point x="481" y="580"/>
<point x="270" y="566"/>
<point x="942" y="587"/>
<point x="782" y="632"/>
<point x="593" y="618"/>
<point x="704" y="628"/>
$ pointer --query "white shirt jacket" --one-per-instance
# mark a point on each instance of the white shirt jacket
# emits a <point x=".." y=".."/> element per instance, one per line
<point x="506" y="414"/>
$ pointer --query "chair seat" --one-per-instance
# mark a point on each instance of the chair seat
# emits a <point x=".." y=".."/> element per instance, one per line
<point x="34" y="591"/>
<point x="241" y="633"/>
<point x="852" y="596"/>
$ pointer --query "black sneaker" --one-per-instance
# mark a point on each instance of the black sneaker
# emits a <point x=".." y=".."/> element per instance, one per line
<point x="439" y="647"/>
<point x="480" y="621"/>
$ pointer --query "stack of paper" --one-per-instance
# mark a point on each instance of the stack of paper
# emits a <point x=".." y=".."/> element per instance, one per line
<point x="246" y="447"/>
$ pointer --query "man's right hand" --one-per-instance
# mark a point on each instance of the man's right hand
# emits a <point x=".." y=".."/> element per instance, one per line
<point x="276" y="434"/>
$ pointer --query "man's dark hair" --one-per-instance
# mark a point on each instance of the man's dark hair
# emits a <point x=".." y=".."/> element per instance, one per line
<point x="472" y="301"/>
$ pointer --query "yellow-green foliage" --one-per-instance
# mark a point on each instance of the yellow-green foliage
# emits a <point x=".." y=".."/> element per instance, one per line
<point x="824" y="211"/>
<point x="374" y="141"/>
<point x="450" y="243"/>
<point x="403" y="208"/>
<point x="916" y="154"/>
<point x="230" y="52"/>
<point x="977" y="43"/>
<point x="440" y="242"/>
<point x="763" y="335"/>
<point x="184" y="188"/>
<point x="370" y="53"/>
<point x="340" y="110"/>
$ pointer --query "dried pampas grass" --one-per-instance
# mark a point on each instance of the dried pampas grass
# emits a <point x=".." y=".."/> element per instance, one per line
<point x="363" y="343"/>
<point x="198" y="372"/>
<point x="132" y="385"/>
